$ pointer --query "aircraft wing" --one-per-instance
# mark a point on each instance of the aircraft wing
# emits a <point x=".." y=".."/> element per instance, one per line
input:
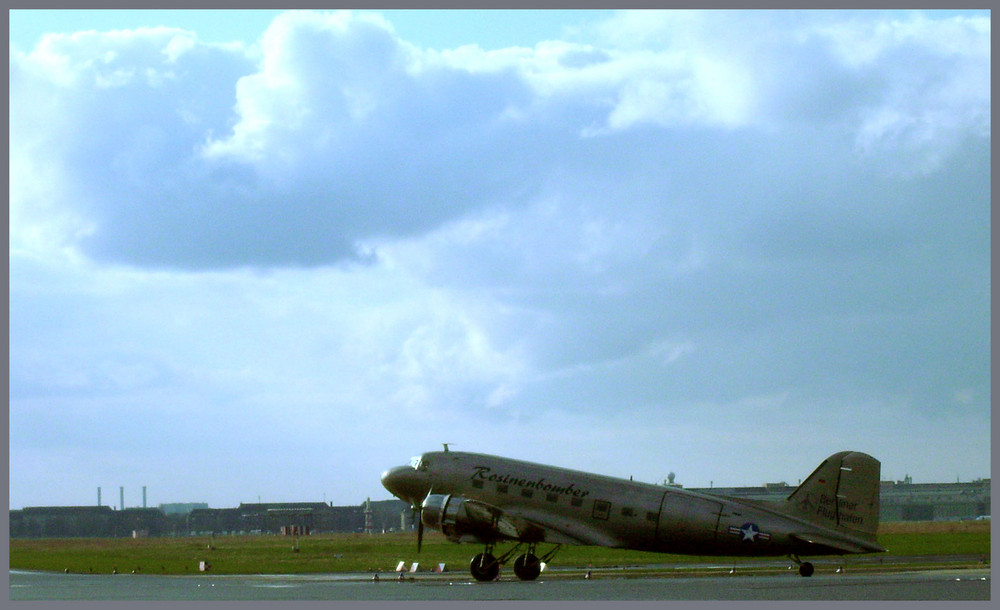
<point x="558" y="529"/>
<point x="530" y="525"/>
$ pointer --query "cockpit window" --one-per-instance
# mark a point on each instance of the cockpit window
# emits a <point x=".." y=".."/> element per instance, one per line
<point x="415" y="462"/>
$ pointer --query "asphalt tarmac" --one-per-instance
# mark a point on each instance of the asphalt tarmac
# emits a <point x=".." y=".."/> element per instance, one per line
<point x="944" y="584"/>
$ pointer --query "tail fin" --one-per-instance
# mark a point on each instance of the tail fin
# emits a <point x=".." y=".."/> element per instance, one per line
<point x="842" y="493"/>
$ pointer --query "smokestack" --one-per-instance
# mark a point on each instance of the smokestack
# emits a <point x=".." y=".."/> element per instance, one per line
<point x="98" y="496"/>
<point x="144" y="496"/>
<point x="121" y="492"/>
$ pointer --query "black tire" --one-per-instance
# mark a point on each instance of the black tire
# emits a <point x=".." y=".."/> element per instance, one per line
<point x="527" y="567"/>
<point x="484" y="567"/>
<point x="806" y="569"/>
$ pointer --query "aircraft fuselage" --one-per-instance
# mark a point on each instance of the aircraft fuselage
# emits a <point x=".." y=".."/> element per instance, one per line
<point x="539" y="503"/>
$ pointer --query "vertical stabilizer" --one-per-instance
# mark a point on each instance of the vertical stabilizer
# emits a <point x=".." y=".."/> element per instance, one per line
<point x="842" y="493"/>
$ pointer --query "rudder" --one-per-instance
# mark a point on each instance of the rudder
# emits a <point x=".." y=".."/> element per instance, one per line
<point x="842" y="493"/>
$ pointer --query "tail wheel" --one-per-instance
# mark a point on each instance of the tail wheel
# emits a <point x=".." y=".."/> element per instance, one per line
<point x="484" y="567"/>
<point x="806" y="569"/>
<point x="527" y="566"/>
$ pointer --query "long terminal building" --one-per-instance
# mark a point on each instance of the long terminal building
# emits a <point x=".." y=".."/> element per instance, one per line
<point x="898" y="501"/>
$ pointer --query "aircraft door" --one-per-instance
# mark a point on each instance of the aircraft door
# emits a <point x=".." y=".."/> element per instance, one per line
<point x="687" y="520"/>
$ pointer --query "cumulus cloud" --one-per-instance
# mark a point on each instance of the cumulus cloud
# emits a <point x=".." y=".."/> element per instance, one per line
<point x="172" y="152"/>
<point x="686" y="217"/>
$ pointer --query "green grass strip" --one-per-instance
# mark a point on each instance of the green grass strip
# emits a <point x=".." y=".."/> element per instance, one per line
<point x="333" y="553"/>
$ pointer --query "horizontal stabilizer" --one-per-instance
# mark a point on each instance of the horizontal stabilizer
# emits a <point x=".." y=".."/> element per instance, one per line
<point x="839" y="545"/>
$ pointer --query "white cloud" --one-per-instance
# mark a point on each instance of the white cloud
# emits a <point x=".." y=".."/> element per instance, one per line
<point x="693" y="219"/>
<point x="344" y="132"/>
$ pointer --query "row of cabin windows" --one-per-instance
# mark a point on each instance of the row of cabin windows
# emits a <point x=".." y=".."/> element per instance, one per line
<point x="602" y="508"/>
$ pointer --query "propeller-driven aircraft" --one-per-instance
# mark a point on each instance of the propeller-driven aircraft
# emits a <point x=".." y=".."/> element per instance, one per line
<point x="492" y="500"/>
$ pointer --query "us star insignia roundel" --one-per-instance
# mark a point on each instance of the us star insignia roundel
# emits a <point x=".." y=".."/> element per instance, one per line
<point x="749" y="532"/>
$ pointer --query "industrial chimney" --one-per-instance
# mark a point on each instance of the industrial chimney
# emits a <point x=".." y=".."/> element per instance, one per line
<point x="121" y="494"/>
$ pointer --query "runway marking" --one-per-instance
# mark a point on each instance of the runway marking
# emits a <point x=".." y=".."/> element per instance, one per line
<point x="274" y="586"/>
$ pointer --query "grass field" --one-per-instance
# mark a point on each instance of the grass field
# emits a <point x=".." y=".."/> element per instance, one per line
<point x="330" y="553"/>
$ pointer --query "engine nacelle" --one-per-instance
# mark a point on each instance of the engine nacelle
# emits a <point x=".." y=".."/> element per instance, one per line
<point x="457" y="517"/>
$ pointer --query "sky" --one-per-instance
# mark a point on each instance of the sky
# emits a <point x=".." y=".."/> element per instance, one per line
<point x="268" y="261"/>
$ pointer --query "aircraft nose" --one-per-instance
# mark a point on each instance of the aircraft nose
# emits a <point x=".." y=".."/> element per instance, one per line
<point x="406" y="484"/>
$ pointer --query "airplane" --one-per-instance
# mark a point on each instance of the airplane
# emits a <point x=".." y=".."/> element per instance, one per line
<point x="489" y="500"/>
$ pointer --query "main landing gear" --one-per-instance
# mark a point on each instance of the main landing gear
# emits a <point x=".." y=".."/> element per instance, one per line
<point x="527" y="566"/>
<point x="805" y="568"/>
<point x="484" y="566"/>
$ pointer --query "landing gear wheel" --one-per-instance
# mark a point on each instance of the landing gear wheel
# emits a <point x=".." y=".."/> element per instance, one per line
<point x="484" y="567"/>
<point x="806" y="569"/>
<point x="527" y="566"/>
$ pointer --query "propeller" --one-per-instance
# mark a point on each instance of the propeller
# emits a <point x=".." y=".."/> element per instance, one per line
<point x="418" y="511"/>
<point x="420" y="531"/>
<point x="418" y="515"/>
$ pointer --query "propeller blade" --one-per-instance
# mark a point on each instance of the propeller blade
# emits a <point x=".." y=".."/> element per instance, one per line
<point x="418" y="512"/>
<point x="420" y="533"/>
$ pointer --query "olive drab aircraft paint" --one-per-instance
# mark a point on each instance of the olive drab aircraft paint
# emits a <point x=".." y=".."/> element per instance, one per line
<point x="492" y="500"/>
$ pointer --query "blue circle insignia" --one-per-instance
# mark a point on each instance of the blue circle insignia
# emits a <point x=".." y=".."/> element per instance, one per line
<point x="749" y="532"/>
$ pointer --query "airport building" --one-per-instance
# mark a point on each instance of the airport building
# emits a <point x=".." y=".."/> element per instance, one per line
<point x="899" y="501"/>
<point x="87" y="521"/>
<point x="906" y="501"/>
<point x="292" y="518"/>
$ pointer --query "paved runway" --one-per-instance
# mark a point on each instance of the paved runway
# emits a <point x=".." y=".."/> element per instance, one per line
<point x="951" y="584"/>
